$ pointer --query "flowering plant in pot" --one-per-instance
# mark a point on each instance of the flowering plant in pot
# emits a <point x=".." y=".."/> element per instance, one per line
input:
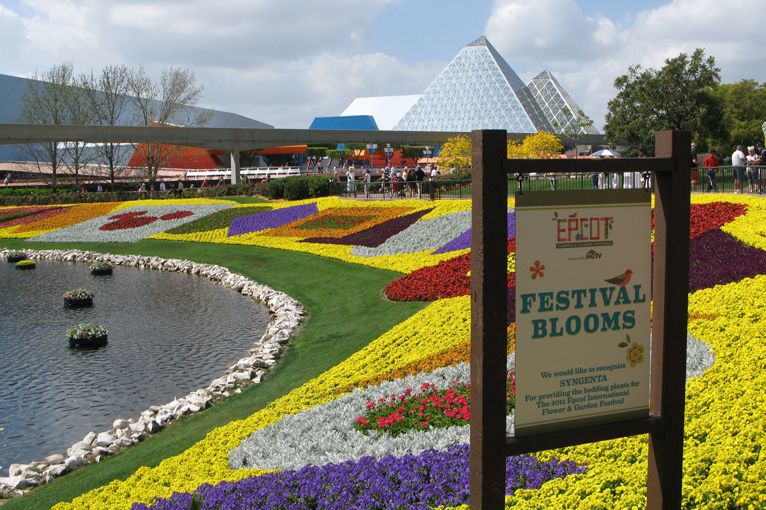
<point x="25" y="264"/>
<point x="78" y="298"/>
<point x="101" y="267"/>
<point x="87" y="335"/>
<point x="15" y="256"/>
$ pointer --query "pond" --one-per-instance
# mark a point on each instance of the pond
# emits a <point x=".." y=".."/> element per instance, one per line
<point x="169" y="334"/>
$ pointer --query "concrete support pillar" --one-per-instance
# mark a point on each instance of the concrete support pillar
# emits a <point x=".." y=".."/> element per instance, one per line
<point x="234" y="156"/>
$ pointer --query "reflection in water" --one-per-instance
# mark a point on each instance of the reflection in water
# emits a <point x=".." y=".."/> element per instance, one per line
<point x="169" y="334"/>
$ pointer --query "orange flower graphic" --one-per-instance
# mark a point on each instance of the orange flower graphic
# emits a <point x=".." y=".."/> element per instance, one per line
<point x="635" y="354"/>
<point x="537" y="269"/>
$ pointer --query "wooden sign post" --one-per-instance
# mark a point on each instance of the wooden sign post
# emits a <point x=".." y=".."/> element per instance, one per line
<point x="489" y="302"/>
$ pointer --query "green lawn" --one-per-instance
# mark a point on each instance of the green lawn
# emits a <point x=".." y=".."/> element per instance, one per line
<point x="345" y="310"/>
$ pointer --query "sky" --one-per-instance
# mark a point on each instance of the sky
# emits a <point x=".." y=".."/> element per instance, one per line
<point x="285" y="62"/>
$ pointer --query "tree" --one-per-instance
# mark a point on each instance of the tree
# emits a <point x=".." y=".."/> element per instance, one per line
<point x="46" y="100"/>
<point x="536" y="146"/>
<point x="678" y="97"/>
<point x="456" y="153"/>
<point x="108" y="99"/>
<point x="743" y="105"/>
<point x="168" y="103"/>
<point x="581" y="126"/>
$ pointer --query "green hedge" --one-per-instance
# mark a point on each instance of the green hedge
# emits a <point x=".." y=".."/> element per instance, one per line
<point x="299" y="187"/>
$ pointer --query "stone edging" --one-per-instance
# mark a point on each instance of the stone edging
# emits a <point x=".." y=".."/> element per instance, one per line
<point x="286" y="315"/>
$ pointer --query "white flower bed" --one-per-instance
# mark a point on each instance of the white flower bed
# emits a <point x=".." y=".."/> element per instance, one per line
<point x="420" y="236"/>
<point x="326" y="433"/>
<point x="90" y="230"/>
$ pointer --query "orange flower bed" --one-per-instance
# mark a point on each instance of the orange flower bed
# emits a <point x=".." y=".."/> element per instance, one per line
<point x="445" y="358"/>
<point x="338" y="221"/>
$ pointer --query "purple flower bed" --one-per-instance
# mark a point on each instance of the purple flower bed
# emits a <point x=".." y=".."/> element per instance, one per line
<point x="413" y="481"/>
<point x="717" y="258"/>
<point x="464" y="240"/>
<point x="375" y="235"/>
<point x="270" y="219"/>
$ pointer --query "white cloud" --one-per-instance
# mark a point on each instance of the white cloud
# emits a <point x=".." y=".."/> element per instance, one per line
<point x="278" y="62"/>
<point x="11" y="34"/>
<point x="587" y="53"/>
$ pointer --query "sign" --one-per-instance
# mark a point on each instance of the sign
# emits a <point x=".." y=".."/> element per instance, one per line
<point x="583" y="291"/>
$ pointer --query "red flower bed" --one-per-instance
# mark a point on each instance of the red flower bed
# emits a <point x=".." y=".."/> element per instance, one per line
<point x="430" y="408"/>
<point x="176" y="215"/>
<point x="706" y="217"/>
<point x="444" y="280"/>
<point x="128" y="220"/>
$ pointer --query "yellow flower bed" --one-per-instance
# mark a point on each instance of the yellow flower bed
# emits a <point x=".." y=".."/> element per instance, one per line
<point x="151" y="202"/>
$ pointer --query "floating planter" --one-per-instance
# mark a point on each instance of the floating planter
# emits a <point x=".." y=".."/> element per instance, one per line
<point x="25" y="264"/>
<point x="15" y="256"/>
<point x="87" y="335"/>
<point x="78" y="298"/>
<point x="101" y="268"/>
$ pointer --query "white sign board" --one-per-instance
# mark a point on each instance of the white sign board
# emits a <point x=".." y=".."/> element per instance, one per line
<point x="583" y="292"/>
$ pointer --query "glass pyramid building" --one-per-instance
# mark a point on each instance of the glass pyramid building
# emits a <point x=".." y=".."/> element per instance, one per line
<point x="477" y="90"/>
<point x="558" y="107"/>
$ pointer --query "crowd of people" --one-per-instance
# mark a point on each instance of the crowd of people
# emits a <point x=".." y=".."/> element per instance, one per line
<point x="407" y="182"/>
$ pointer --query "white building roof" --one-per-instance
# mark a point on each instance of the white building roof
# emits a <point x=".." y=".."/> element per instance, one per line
<point x="386" y="110"/>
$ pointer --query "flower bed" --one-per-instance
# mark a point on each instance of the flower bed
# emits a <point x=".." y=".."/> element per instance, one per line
<point x="15" y="256"/>
<point x="421" y="481"/>
<point x="25" y="264"/>
<point x="101" y="268"/>
<point x="78" y="298"/>
<point x="131" y="225"/>
<point x="87" y="335"/>
<point x="723" y="467"/>
<point x="431" y="407"/>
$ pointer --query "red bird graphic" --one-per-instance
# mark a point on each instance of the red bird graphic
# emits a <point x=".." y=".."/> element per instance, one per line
<point x="621" y="279"/>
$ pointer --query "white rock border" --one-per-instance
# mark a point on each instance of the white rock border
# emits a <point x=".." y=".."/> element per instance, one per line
<point x="286" y="316"/>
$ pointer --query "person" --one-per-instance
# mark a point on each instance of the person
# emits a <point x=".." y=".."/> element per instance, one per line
<point x="694" y="163"/>
<point x="83" y="190"/>
<point x="163" y="189"/>
<point x="394" y="183"/>
<point x="419" y="176"/>
<point x="142" y="189"/>
<point x="367" y="179"/>
<point x="351" y="180"/>
<point x="386" y="178"/>
<point x="99" y="188"/>
<point x="711" y="163"/>
<point x="205" y="184"/>
<point x="753" y="160"/>
<point x="738" y="161"/>
<point x="412" y="181"/>
<point x="400" y="183"/>
<point x="7" y="179"/>
<point x="594" y="179"/>
<point x="615" y="180"/>
<point x="220" y="183"/>
<point x="180" y="188"/>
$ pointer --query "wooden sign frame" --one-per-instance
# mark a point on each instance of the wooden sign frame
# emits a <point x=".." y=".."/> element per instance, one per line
<point x="489" y="300"/>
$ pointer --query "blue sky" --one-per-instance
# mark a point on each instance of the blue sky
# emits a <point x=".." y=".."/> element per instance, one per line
<point x="286" y="61"/>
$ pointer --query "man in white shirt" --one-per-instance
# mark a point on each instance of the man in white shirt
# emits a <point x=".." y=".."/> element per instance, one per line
<point x="738" y="162"/>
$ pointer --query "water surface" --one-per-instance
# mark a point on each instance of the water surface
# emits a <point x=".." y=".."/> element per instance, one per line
<point x="169" y="334"/>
